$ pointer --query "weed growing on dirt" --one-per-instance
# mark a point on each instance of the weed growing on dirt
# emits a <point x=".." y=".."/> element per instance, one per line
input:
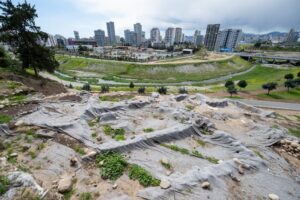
<point x="148" y="130"/>
<point x="166" y="165"/>
<point x="4" y="184"/>
<point x="79" y="150"/>
<point x="176" y="148"/>
<point x="86" y="196"/>
<point x="4" y="119"/>
<point x="144" y="177"/>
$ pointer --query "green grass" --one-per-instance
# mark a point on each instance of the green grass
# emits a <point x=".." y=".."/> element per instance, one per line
<point x="117" y="134"/>
<point x="166" y="165"/>
<point x="15" y="98"/>
<point x="261" y="75"/>
<point x="295" y="132"/>
<point x="85" y="196"/>
<point x="107" y="129"/>
<point x="148" y="130"/>
<point x="293" y="94"/>
<point x="159" y="73"/>
<point x="201" y="142"/>
<point x="79" y="150"/>
<point x="113" y="166"/>
<point x="4" y="184"/>
<point x="4" y="119"/>
<point x="68" y="195"/>
<point x="144" y="177"/>
<point x="176" y="148"/>
<point x="258" y="153"/>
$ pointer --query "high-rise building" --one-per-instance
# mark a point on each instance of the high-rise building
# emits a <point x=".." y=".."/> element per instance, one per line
<point x="178" y="35"/>
<point x="143" y="36"/>
<point x="212" y="31"/>
<point x="155" y="35"/>
<point x="130" y="37"/>
<point x="170" y="36"/>
<point x="292" y="36"/>
<point x="111" y="32"/>
<point x="228" y="39"/>
<point x="138" y="31"/>
<point x="100" y="37"/>
<point x="76" y="35"/>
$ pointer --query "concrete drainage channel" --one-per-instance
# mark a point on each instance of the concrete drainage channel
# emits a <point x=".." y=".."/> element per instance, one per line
<point x="204" y="161"/>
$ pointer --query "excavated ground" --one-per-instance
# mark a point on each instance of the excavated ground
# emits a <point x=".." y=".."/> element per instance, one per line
<point x="232" y="147"/>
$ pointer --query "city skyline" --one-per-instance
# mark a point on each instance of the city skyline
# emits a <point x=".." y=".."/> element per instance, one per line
<point x="86" y="16"/>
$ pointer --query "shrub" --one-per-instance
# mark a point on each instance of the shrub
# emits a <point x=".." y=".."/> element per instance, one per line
<point x="141" y="90"/>
<point x="162" y="90"/>
<point x="86" y="87"/>
<point x="289" y="76"/>
<point x="144" y="177"/>
<point x="70" y="86"/>
<point x="182" y="91"/>
<point x="242" y="84"/>
<point x="4" y="184"/>
<point x="298" y="74"/>
<point x="113" y="165"/>
<point x="231" y="90"/>
<point x="108" y="130"/>
<point x="290" y="83"/>
<point x="104" y="88"/>
<point x="229" y="83"/>
<point x="131" y="85"/>
<point x="148" y="130"/>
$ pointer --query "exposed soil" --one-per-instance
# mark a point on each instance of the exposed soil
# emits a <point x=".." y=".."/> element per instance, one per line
<point x="41" y="85"/>
<point x="19" y="109"/>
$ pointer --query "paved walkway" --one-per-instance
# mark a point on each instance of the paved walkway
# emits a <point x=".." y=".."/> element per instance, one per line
<point x="272" y="104"/>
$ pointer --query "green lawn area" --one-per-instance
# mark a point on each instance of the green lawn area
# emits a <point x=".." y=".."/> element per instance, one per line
<point x="158" y="73"/>
<point x="293" y="94"/>
<point x="261" y="75"/>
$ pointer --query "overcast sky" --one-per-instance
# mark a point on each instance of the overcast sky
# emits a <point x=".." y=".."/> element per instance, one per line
<point x="254" y="16"/>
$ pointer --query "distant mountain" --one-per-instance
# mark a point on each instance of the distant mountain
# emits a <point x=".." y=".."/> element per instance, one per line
<point x="272" y="34"/>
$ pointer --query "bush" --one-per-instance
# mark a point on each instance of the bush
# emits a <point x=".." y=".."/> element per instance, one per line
<point x="4" y="119"/>
<point x="182" y="91"/>
<point x="298" y="74"/>
<point x="162" y="90"/>
<point x="86" y="196"/>
<point x="290" y="83"/>
<point x="242" y="84"/>
<point x="104" y="88"/>
<point x="4" y="184"/>
<point x="141" y="90"/>
<point x="229" y="83"/>
<point x="131" y="85"/>
<point x="289" y="76"/>
<point x="113" y="165"/>
<point x="86" y="87"/>
<point x="144" y="177"/>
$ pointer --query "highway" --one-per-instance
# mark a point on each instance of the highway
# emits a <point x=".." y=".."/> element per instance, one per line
<point x="272" y="104"/>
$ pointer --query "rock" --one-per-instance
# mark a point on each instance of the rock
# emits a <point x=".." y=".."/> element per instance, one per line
<point x="165" y="161"/>
<point x="241" y="170"/>
<point x="165" y="184"/>
<point x="294" y="144"/>
<point x="99" y="138"/>
<point x="3" y="161"/>
<point x="220" y="161"/>
<point x="154" y="95"/>
<point x="19" y="123"/>
<point x="273" y="197"/>
<point x="168" y="173"/>
<point x="65" y="184"/>
<point x="237" y="161"/>
<point x="205" y="185"/>
<point x="181" y="97"/>
<point x="13" y="155"/>
<point x="25" y="147"/>
<point x="115" y="186"/>
<point x="101" y="163"/>
<point x="73" y="161"/>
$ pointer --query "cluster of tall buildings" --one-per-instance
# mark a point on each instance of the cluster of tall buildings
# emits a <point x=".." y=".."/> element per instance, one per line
<point x="222" y="40"/>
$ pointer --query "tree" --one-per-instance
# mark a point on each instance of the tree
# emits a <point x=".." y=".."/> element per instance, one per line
<point x="131" y="85"/>
<point x="298" y="75"/>
<point x="229" y="83"/>
<point x="104" y="88"/>
<point x="231" y="90"/>
<point x="18" y="29"/>
<point x="162" y="90"/>
<point x="141" y="90"/>
<point x="86" y="87"/>
<point x="289" y="76"/>
<point x="269" y="86"/>
<point x="290" y="83"/>
<point x="242" y="84"/>
<point x="182" y="90"/>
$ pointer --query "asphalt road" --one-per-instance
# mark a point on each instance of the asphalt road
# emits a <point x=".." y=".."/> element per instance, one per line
<point x="272" y="104"/>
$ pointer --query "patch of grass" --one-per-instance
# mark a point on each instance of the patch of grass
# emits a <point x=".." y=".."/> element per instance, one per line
<point x="212" y="159"/>
<point x="107" y="129"/>
<point x="144" y="177"/>
<point x="189" y="107"/>
<point x="4" y="184"/>
<point x="79" y="150"/>
<point x="68" y="195"/>
<point x="295" y="132"/>
<point x="198" y="154"/>
<point x="233" y="97"/>
<point x="32" y="154"/>
<point x="86" y="196"/>
<point x="201" y="142"/>
<point x="4" y="119"/>
<point x="120" y="137"/>
<point x="109" y="98"/>
<point x="176" y="148"/>
<point x="13" y="85"/>
<point x="166" y="165"/>
<point x="258" y="153"/>
<point x="209" y="158"/>
<point x="293" y="94"/>
<point x="148" y="130"/>
<point x="113" y="165"/>
<point x="94" y="134"/>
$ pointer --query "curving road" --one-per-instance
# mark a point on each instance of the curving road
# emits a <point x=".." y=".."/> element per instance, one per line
<point x="272" y="104"/>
